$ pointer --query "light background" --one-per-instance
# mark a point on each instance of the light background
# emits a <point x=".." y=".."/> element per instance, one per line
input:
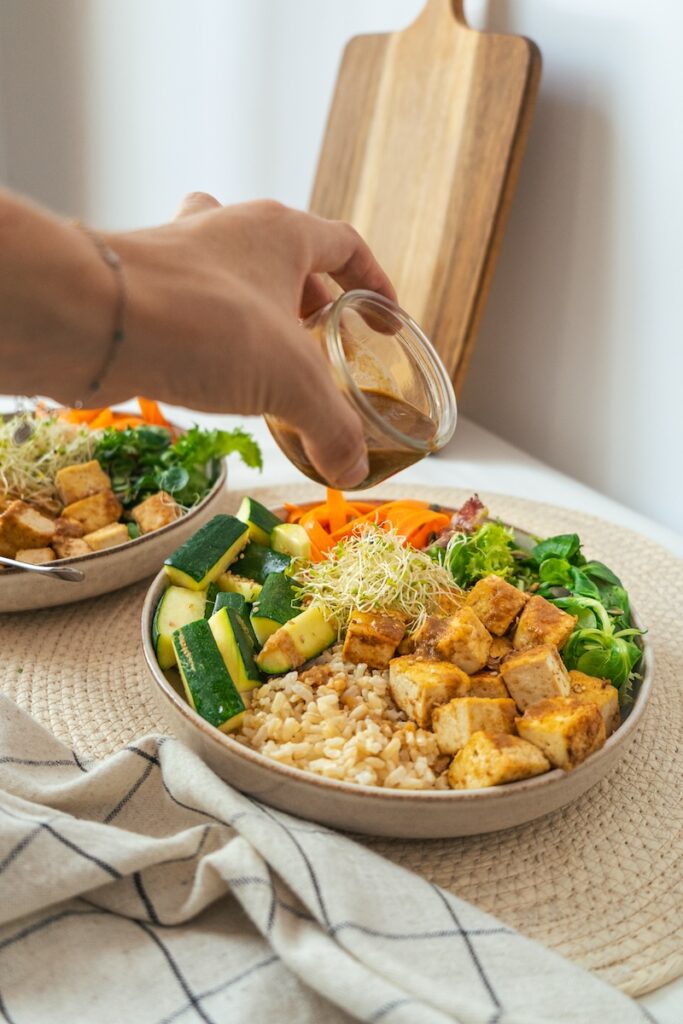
<point x="112" y="109"/>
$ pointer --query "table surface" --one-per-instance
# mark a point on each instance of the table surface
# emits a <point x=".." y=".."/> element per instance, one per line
<point x="487" y="464"/>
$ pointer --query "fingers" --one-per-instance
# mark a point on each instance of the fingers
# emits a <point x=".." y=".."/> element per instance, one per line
<point x="197" y="202"/>
<point x="337" y="249"/>
<point x="315" y="295"/>
<point x="308" y="400"/>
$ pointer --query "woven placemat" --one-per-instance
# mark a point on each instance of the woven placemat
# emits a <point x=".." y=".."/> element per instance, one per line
<point x="601" y="881"/>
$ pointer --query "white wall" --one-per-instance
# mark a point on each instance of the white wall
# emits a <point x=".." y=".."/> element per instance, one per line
<point x="112" y="109"/>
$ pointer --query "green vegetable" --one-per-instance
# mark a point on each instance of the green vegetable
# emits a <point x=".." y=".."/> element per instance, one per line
<point x="238" y="604"/>
<point x="257" y="562"/>
<point x="234" y="584"/>
<point x="209" y="687"/>
<point x="144" y="460"/>
<point x="291" y="539"/>
<point x="211" y="595"/>
<point x="260" y="520"/>
<point x="208" y="553"/>
<point x="236" y="648"/>
<point x="565" y="545"/>
<point x="600" y="645"/>
<point x="177" y="607"/>
<point x="276" y="605"/>
<point x="470" y="557"/>
<point x="302" y="638"/>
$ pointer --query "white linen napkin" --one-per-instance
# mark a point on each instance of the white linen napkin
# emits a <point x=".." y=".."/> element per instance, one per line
<point x="143" y="888"/>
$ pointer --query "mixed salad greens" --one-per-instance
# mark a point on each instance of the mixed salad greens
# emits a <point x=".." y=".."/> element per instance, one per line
<point x="144" y="460"/>
<point x="603" y="643"/>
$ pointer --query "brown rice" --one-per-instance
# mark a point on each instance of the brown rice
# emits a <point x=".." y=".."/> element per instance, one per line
<point x="338" y="720"/>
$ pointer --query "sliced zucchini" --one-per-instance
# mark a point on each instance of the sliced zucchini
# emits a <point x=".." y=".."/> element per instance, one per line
<point x="236" y="648"/>
<point x="211" y="594"/>
<point x="238" y="604"/>
<point x="257" y="562"/>
<point x="260" y="520"/>
<point x="302" y="638"/>
<point x="206" y="555"/>
<point x="177" y="607"/>
<point x="275" y="606"/>
<point x="233" y="584"/>
<point x="291" y="539"/>
<point x="208" y="685"/>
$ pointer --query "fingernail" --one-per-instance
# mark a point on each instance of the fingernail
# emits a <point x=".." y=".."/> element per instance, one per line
<point x="356" y="474"/>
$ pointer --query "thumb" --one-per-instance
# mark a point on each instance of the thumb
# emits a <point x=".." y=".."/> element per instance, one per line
<point x="308" y="399"/>
<point x="196" y="202"/>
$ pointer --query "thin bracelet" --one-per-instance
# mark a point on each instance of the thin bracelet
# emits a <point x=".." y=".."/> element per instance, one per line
<point x="112" y="260"/>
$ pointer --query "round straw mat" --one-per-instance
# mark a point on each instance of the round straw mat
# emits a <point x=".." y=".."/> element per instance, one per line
<point x="601" y="881"/>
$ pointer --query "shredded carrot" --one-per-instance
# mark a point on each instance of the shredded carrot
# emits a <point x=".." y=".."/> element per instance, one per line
<point x="337" y="518"/>
<point x="96" y="419"/>
<point x="104" y="419"/>
<point x="151" y="413"/>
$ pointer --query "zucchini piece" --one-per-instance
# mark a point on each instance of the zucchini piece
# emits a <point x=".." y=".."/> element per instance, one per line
<point x="238" y="603"/>
<point x="291" y="539"/>
<point x="257" y="562"/>
<point x="211" y="595"/>
<point x="275" y="606"/>
<point x="233" y="584"/>
<point x="209" y="687"/>
<point x="207" y="554"/>
<point x="177" y="607"/>
<point x="299" y="640"/>
<point x="236" y="648"/>
<point x="259" y="519"/>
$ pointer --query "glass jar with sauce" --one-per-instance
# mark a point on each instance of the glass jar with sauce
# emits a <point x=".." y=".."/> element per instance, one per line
<point x="392" y="376"/>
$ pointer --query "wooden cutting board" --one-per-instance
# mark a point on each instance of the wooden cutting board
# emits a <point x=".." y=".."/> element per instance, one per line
<point x="421" y="154"/>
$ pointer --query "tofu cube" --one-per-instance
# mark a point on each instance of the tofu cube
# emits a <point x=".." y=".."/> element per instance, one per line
<point x="500" y="648"/>
<point x="80" y="481"/>
<point x="464" y="641"/>
<point x="496" y="603"/>
<point x="94" y="512"/>
<point x="456" y="722"/>
<point x="107" y="537"/>
<point x="492" y="759"/>
<point x="23" y="527"/>
<point x="372" y="638"/>
<point x="418" y="686"/>
<point x="71" y="547"/>
<point x="535" y="674"/>
<point x="488" y="684"/>
<point x="599" y="692"/>
<point x="542" y="623"/>
<point x="423" y="640"/>
<point x="65" y="527"/>
<point x="158" y="510"/>
<point x="36" y="556"/>
<point x="565" y="729"/>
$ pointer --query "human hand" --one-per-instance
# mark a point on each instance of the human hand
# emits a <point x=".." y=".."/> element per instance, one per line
<point x="213" y="303"/>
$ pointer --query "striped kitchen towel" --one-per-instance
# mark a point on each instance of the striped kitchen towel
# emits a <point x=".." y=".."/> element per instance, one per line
<point x="143" y="888"/>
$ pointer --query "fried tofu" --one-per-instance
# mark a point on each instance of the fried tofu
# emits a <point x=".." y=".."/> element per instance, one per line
<point x="23" y="527"/>
<point x="567" y="730"/>
<point x="464" y="641"/>
<point x="456" y="722"/>
<point x="71" y="547"/>
<point x="500" y="648"/>
<point x="492" y="759"/>
<point x="158" y="510"/>
<point x="107" y="537"/>
<point x="36" y="556"/>
<point x="488" y="684"/>
<point x="65" y="527"/>
<point x="80" y="481"/>
<point x="542" y="622"/>
<point x="419" y="685"/>
<point x="599" y="692"/>
<point x="94" y="512"/>
<point x="496" y="603"/>
<point x="535" y="674"/>
<point x="372" y="638"/>
<point x="423" y="640"/>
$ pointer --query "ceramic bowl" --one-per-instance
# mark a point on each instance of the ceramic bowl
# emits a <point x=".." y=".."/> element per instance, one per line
<point x="424" y="814"/>
<point x="110" y="569"/>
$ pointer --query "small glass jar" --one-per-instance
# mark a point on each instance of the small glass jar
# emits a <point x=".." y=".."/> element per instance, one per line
<point x="390" y="373"/>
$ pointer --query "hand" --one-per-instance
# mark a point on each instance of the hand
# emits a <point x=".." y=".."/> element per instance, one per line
<point x="213" y="303"/>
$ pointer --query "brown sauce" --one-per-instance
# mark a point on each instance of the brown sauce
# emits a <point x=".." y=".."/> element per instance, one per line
<point x="385" y="457"/>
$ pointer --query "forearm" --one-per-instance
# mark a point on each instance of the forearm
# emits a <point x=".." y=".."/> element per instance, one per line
<point x="57" y="301"/>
